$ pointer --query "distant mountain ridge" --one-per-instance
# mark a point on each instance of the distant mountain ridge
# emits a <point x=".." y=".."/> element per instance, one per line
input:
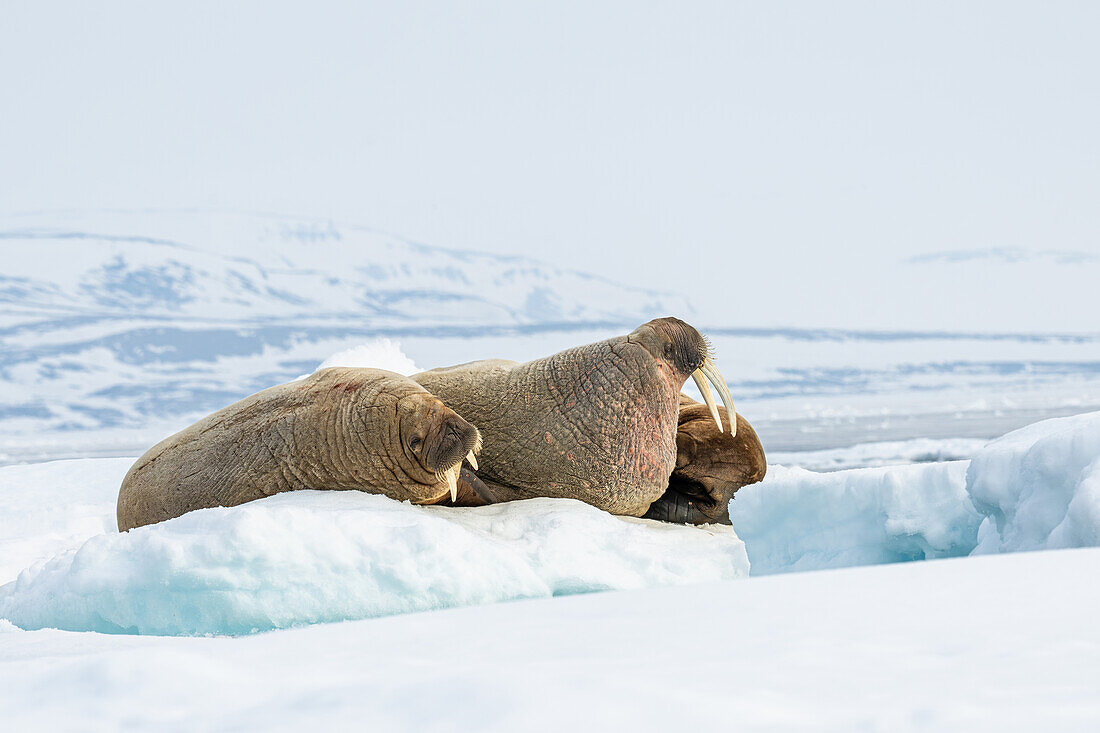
<point x="247" y="268"/>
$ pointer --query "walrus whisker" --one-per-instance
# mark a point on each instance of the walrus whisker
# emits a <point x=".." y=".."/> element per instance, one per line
<point x="708" y="396"/>
<point x="711" y="372"/>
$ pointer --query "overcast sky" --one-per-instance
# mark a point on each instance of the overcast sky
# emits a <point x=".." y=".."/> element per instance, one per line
<point x="803" y="151"/>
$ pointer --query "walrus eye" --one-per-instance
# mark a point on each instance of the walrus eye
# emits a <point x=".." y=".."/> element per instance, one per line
<point x="414" y="442"/>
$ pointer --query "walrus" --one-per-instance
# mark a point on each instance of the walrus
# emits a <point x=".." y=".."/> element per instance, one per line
<point x="711" y="465"/>
<point x="596" y="423"/>
<point x="340" y="428"/>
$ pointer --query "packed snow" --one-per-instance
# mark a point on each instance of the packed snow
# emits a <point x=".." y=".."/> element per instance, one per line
<point x="1039" y="487"/>
<point x="310" y="557"/>
<point x="48" y="508"/>
<point x="1004" y="643"/>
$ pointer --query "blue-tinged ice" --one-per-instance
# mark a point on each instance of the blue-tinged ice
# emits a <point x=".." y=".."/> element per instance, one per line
<point x="1034" y="488"/>
<point x="310" y="557"/>
<point x="802" y="520"/>
<point x="1039" y="487"/>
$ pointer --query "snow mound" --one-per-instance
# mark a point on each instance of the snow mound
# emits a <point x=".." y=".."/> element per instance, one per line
<point x="378" y="354"/>
<point x="800" y="520"/>
<point x="47" y="508"/>
<point x="310" y="557"/>
<point x="1039" y="487"/>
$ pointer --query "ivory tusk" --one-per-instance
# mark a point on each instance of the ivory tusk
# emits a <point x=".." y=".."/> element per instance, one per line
<point x="452" y="482"/>
<point x="711" y="372"/>
<point x="708" y="396"/>
<point x="472" y="460"/>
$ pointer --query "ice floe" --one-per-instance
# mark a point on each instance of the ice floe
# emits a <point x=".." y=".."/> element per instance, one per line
<point x="309" y="557"/>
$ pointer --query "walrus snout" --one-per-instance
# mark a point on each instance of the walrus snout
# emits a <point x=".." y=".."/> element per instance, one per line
<point x="437" y="438"/>
<point x="451" y="440"/>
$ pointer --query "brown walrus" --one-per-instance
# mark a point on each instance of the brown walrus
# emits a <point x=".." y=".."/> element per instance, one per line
<point x="711" y="465"/>
<point x="596" y="423"/>
<point x="340" y="428"/>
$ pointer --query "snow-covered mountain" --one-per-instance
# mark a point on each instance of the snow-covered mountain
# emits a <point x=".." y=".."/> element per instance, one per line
<point x="125" y="319"/>
<point x="253" y="269"/>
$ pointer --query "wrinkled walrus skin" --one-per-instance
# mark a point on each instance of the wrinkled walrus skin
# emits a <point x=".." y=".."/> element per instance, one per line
<point x="340" y="428"/>
<point x="711" y="465"/>
<point x="596" y="423"/>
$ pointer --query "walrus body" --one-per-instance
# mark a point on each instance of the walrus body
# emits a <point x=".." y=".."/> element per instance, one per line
<point x="340" y="428"/>
<point x="596" y="423"/>
<point x="711" y="465"/>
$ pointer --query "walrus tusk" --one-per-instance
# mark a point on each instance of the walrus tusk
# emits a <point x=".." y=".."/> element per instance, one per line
<point x="472" y="460"/>
<point x="711" y="372"/>
<point x="708" y="396"/>
<point x="451" y="477"/>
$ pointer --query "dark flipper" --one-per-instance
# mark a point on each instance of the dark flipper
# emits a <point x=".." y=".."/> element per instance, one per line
<point x="688" y="504"/>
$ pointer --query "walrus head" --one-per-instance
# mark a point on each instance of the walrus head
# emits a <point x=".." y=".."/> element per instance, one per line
<point x="436" y="438"/>
<point x="711" y="465"/>
<point x="688" y="352"/>
<point x="415" y="457"/>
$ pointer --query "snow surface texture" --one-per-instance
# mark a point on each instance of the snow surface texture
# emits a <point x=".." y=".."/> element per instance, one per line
<point x="310" y="557"/>
<point x="1002" y="643"/>
<point x="1039" y="487"/>
<point x="47" y="508"/>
